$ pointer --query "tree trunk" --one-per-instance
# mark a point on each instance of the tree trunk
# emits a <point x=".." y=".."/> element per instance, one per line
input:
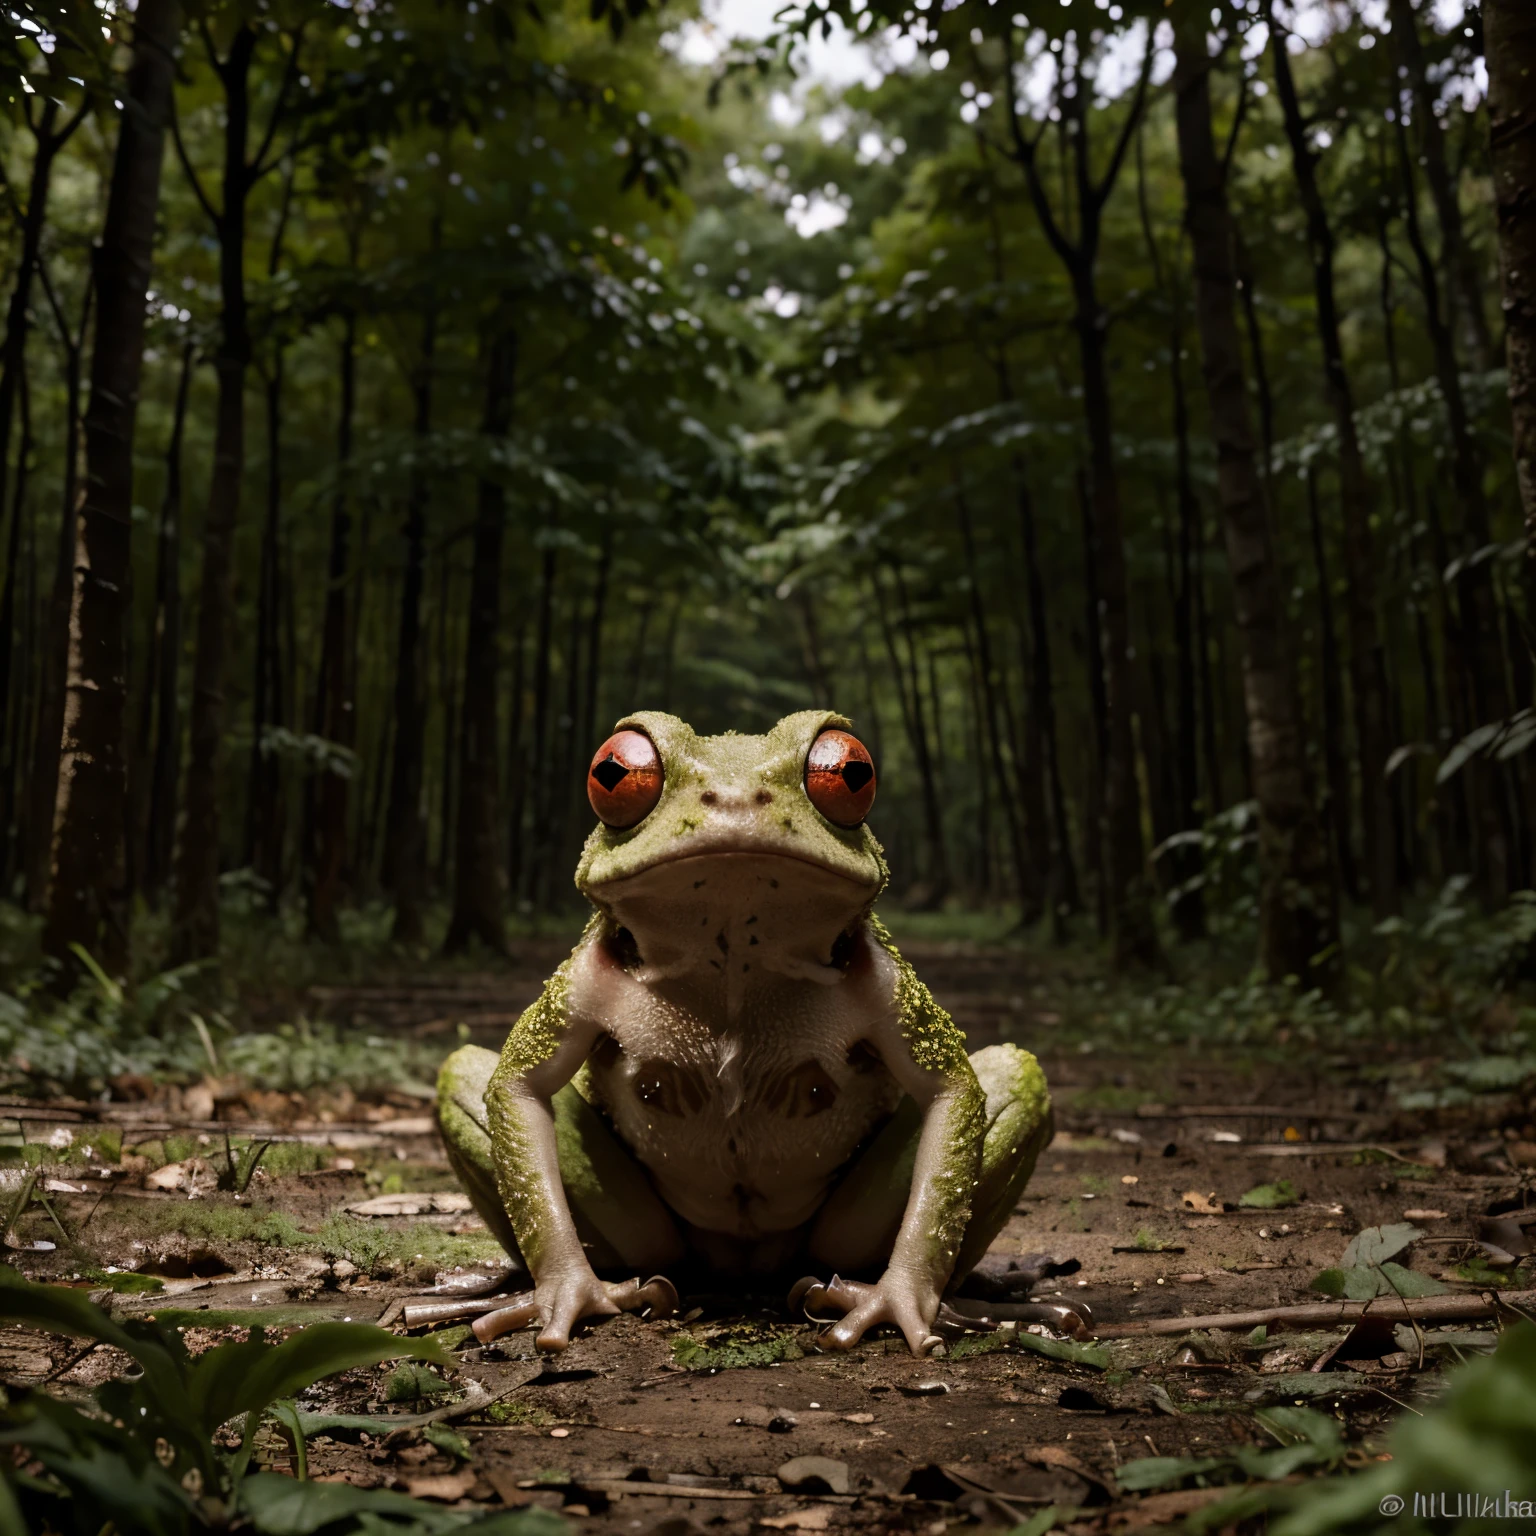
<point x="937" y="883"/>
<point x="13" y="357"/>
<point x="538" y="767"/>
<point x="1456" y="256"/>
<point x="1065" y="894"/>
<point x="1509" y="37"/>
<point x="1358" y="504"/>
<point x="406" y="831"/>
<point x="335" y="708"/>
<point x="1182" y="865"/>
<point x="14" y="598"/>
<point x="88" y="892"/>
<point x="264" y="787"/>
<point x="1098" y="710"/>
<point x="1298" y="920"/>
<point x="595" y="622"/>
<point x="1478" y="600"/>
<point x="1132" y="934"/>
<point x="517" y="768"/>
<point x="48" y="737"/>
<point x="1339" y="798"/>
<point x="157" y="761"/>
<point x="479" y="890"/>
<point x="1025" y="874"/>
<point x="196" y="925"/>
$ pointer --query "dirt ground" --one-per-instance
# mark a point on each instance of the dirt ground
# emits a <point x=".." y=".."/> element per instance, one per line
<point x="644" y="1423"/>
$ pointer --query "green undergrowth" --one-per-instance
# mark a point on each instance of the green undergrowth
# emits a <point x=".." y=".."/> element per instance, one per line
<point x="729" y="1349"/>
<point x="1447" y="983"/>
<point x="376" y="1249"/>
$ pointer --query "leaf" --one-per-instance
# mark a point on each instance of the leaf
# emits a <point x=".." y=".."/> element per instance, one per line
<point x="1064" y="1349"/>
<point x="1353" y="1284"/>
<point x="1297" y="1424"/>
<point x="1376" y="1244"/>
<point x="1398" y="1281"/>
<point x="1467" y="748"/>
<point x="449" y="1441"/>
<point x="283" y="1506"/>
<point x="1491" y="1074"/>
<point x="1271" y="1197"/>
<point x="232" y="1379"/>
<point x="1153" y="1472"/>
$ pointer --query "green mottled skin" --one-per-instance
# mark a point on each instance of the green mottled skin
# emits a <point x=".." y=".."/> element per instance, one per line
<point x="533" y="1040"/>
<point x="938" y="1045"/>
<point x="951" y="1162"/>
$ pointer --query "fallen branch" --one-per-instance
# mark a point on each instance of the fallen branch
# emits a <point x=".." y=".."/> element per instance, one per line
<point x="1323" y="1314"/>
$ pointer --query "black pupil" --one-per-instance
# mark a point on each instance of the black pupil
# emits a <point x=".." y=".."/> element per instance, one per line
<point x="856" y="775"/>
<point x="610" y="774"/>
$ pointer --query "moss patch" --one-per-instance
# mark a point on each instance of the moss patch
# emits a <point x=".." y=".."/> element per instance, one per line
<point x="729" y="1349"/>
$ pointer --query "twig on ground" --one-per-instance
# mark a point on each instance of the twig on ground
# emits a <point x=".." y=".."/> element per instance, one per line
<point x="1427" y="1309"/>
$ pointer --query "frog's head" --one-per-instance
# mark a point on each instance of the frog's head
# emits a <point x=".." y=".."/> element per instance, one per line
<point x="698" y="835"/>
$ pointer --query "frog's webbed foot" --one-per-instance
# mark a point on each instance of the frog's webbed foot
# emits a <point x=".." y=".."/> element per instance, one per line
<point x="558" y="1305"/>
<point x="863" y="1306"/>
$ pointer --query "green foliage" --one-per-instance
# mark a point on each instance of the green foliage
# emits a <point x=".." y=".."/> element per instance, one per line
<point x="730" y="1349"/>
<point x="411" y="1382"/>
<point x="1094" y="1356"/>
<point x="1476" y="1441"/>
<point x="1271" y="1197"/>
<point x="147" y="1462"/>
<point x="1308" y="1439"/>
<point x="283" y="1506"/>
<point x="1366" y="1271"/>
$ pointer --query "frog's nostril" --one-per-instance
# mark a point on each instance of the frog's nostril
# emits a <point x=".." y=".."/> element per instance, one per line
<point x="763" y="797"/>
<point x="709" y="797"/>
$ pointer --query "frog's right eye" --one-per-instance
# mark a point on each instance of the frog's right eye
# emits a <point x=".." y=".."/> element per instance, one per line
<point x="625" y="779"/>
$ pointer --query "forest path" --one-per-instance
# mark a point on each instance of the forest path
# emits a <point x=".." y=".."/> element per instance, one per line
<point x="642" y="1422"/>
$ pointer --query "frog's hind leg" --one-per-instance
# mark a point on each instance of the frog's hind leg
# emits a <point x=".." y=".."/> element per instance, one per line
<point x="1019" y="1127"/>
<point x="856" y="1229"/>
<point x="621" y="1219"/>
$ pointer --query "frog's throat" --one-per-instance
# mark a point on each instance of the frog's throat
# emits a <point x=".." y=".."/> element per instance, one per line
<point x="736" y="918"/>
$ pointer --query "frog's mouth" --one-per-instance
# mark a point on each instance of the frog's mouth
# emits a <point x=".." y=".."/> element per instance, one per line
<point x="736" y="912"/>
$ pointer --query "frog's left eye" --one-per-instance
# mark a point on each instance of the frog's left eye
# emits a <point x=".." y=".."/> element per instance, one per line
<point x="625" y="779"/>
<point x="840" y="778"/>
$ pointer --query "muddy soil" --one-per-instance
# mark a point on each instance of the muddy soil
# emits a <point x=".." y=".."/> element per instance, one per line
<point x="644" y="1422"/>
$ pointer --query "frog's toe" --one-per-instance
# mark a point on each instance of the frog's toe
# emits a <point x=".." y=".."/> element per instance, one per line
<point x="814" y="1297"/>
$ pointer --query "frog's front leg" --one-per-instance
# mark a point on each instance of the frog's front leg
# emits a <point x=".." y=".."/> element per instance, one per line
<point x="864" y="1218"/>
<point x="936" y="1180"/>
<point x="544" y="1169"/>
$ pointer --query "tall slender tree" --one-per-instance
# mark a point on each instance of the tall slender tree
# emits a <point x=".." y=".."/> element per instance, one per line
<point x="88" y="891"/>
<point x="1509" y="40"/>
<point x="1127" y="894"/>
<point x="196" y="913"/>
<point x="1367" y="674"/>
<point x="479" y="890"/>
<point x="1298" y="920"/>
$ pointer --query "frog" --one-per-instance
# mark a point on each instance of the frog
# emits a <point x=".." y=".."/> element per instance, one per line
<point x="736" y="1071"/>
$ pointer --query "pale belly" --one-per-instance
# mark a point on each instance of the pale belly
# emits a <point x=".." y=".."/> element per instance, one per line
<point x="743" y="1130"/>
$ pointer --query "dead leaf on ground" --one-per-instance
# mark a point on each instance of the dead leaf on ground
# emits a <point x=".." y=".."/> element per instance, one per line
<point x="817" y="1518"/>
<point x="1059" y="1456"/>
<point x="1165" y="1508"/>
<point x="190" y="1175"/>
<point x="434" y="1202"/>
<point x="1204" y="1205"/>
<point x="1418" y="1215"/>
<point x="446" y="1487"/>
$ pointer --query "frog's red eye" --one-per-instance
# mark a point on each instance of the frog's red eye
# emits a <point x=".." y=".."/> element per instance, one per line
<point x="624" y="781"/>
<point x="840" y="778"/>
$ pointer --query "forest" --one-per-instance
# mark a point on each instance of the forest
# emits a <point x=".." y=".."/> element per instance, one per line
<point x="393" y="398"/>
<point x="1122" y="411"/>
